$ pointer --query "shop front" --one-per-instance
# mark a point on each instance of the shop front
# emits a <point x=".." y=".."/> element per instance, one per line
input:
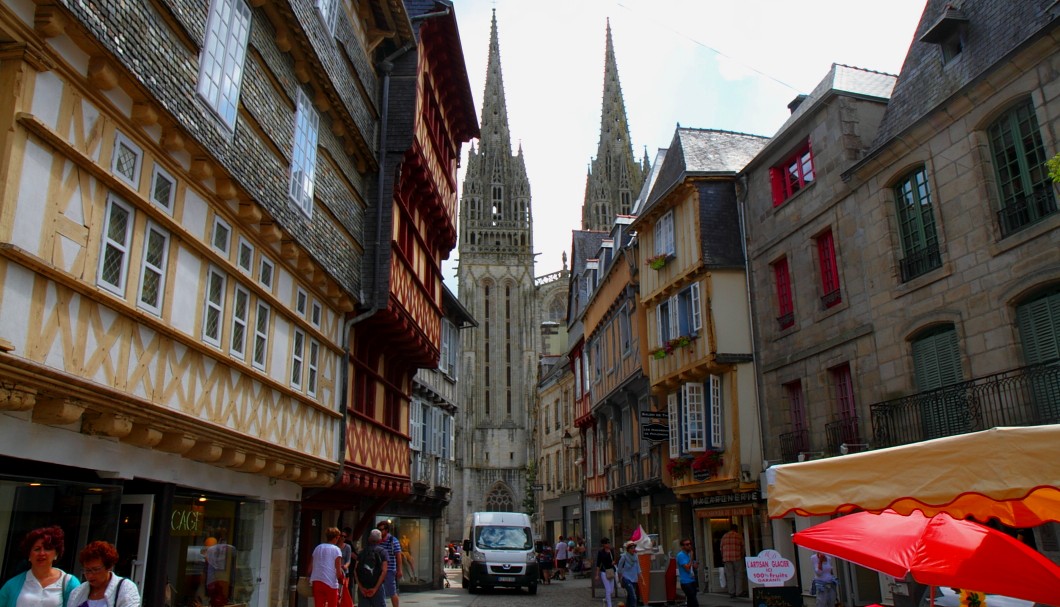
<point x="422" y="546"/>
<point x="714" y="516"/>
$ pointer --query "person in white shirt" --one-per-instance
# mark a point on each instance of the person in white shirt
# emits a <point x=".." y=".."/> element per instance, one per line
<point x="327" y="576"/>
<point x="562" y="554"/>
<point x="102" y="588"/>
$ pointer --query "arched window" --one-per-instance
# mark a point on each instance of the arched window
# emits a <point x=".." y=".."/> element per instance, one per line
<point x="1023" y="184"/>
<point x="937" y="364"/>
<point x="1038" y="318"/>
<point x="500" y="500"/>
<point x="916" y="225"/>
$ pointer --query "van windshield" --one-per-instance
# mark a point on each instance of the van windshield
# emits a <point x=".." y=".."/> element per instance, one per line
<point x="495" y="537"/>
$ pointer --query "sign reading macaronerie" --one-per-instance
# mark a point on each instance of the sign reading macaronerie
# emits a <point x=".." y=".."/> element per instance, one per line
<point x="769" y="568"/>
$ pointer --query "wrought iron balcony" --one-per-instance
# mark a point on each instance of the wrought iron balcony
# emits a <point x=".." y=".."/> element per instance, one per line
<point x="920" y="262"/>
<point x="1027" y="396"/>
<point x="442" y="475"/>
<point x="1026" y="211"/>
<point x="793" y="443"/>
<point x="842" y="431"/>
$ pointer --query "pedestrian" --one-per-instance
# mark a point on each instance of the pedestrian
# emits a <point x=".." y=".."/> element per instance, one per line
<point x="326" y="566"/>
<point x="629" y="569"/>
<point x="372" y="566"/>
<point x="562" y="554"/>
<point x="605" y="567"/>
<point x="43" y="584"/>
<point x="545" y="562"/>
<point x="349" y="558"/>
<point x="392" y="547"/>
<point x="824" y="581"/>
<point x="102" y="587"/>
<point x="687" y="565"/>
<point x="732" y="553"/>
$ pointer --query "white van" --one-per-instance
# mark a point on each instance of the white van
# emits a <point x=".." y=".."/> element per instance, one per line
<point x="499" y="551"/>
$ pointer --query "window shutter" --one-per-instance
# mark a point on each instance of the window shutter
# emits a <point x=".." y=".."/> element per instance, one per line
<point x="675" y="324"/>
<point x="675" y="426"/>
<point x="1039" y="326"/>
<point x="697" y="316"/>
<point x="660" y="236"/>
<point x="937" y="360"/>
<point x="776" y="180"/>
<point x="659" y="324"/>
<point x="717" y="438"/>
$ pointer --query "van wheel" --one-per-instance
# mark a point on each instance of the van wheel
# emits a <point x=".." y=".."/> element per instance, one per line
<point x="471" y="589"/>
<point x="531" y="589"/>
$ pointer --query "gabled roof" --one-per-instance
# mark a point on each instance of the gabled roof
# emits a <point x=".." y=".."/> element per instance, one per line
<point x="649" y="181"/>
<point x="840" y="80"/>
<point x="994" y="28"/>
<point x="703" y="152"/>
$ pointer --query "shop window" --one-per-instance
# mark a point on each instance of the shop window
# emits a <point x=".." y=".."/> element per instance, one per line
<point x="214" y="550"/>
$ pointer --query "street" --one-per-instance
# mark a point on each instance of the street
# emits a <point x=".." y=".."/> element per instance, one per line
<point x="569" y="593"/>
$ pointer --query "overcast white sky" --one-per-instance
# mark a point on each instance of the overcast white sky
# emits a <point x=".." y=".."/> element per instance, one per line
<point x="723" y="64"/>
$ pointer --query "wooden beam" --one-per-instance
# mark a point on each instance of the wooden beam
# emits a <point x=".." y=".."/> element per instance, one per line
<point x="57" y="411"/>
<point x="17" y="398"/>
<point x="142" y="435"/>
<point x="172" y="140"/>
<point x="249" y="212"/>
<point x="270" y="231"/>
<point x="175" y="442"/>
<point x="101" y="73"/>
<point x="106" y="424"/>
<point x="144" y="113"/>
<point x="49" y="20"/>
<point x="201" y="168"/>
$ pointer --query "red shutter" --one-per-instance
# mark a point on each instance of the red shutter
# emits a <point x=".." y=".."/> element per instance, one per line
<point x="776" y="179"/>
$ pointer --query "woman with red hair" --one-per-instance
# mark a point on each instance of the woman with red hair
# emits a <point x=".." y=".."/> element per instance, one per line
<point x="44" y="585"/>
<point x="102" y="587"/>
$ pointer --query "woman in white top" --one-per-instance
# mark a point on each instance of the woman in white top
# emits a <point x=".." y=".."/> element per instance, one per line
<point x="102" y="588"/>
<point x="824" y="581"/>
<point x="44" y="585"/>
<point x="326" y="564"/>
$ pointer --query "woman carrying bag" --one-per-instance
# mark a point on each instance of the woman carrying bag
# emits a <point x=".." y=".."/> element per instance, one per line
<point x="605" y="566"/>
<point x="629" y="569"/>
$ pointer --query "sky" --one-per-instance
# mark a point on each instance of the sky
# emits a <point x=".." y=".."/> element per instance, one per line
<point x="732" y="65"/>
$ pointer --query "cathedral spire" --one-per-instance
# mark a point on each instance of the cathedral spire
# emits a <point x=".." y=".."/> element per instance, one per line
<point x="614" y="175"/>
<point x="494" y="107"/>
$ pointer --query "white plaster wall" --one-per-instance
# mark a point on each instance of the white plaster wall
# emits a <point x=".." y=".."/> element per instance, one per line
<point x="185" y="291"/>
<point x="47" y="91"/>
<point x="194" y="217"/>
<point x="281" y="347"/>
<point x="729" y="308"/>
<point x="14" y="301"/>
<point x="32" y="199"/>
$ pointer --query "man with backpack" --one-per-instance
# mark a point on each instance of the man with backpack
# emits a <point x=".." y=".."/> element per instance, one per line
<point x="371" y="572"/>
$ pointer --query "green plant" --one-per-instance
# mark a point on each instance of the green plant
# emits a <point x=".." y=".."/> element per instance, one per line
<point x="657" y="262"/>
<point x="1053" y="164"/>
<point x="529" y="499"/>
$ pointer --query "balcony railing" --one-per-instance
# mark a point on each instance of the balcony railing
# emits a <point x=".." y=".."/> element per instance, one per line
<point x="831" y="298"/>
<point x="420" y="471"/>
<point x="920" y="262"/>
<point x="1026" y="211"/>
<point x="793" y="443"/>
<point x="1027" y="396"/>
<point x="842" y="431"/>
<point x="442" y="475"/>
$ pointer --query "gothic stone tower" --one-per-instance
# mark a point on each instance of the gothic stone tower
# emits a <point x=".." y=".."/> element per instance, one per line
<point x="614" y="178"/>
<point x="496" y="274"/>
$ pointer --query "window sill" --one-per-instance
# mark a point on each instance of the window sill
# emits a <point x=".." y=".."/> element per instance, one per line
<point x="1017" y="239"/>
<point x="788" y="200"/>
<point x="928" y="278"/>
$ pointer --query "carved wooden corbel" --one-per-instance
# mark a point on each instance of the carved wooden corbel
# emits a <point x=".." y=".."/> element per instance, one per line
<point x="142" y="435"/>
<point x="106" y="424"/>
<point x="14" y="397"/>
<point x="57" y="411"/>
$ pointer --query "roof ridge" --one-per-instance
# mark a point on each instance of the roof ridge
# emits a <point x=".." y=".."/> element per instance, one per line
<point x="708" y="130"/>
<point x="865" y="69"/>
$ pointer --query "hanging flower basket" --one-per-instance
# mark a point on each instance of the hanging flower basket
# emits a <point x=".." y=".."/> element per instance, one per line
<point x="679" y="466"/>
<point x="659" y="354"/>
<point x="657" y="262"/>
<point x="708" y="460"/>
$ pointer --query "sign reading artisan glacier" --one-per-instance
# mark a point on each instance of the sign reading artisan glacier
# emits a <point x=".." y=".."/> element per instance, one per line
<point x="769" y="568"/>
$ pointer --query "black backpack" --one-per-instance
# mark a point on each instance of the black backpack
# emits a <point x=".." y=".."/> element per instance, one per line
<point x="370" y="566"/>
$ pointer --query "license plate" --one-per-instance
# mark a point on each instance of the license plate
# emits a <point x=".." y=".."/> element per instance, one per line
<point x="506" y="579"/>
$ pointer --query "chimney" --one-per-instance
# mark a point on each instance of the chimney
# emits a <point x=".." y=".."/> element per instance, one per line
<point x="796" y="102"/>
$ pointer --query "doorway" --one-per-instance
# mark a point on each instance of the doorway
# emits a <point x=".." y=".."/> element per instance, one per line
<point x="134" y="533"/>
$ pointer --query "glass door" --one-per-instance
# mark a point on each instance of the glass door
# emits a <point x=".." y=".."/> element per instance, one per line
<point x="134" y="531"/>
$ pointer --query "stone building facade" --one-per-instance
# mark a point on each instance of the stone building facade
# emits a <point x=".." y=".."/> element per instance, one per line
<point x="496" y="285"/>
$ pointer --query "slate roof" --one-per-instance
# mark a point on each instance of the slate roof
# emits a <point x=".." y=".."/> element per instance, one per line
<point x="649" y="181"/>
<point x="995" y="28"/>
<point x="701" y="152"/>
<point x="843" y="79"/>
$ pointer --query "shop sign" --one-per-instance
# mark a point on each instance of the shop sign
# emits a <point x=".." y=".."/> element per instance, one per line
<point x="655" y="426"/>
<point x="186" y="521"/>
<point x="769" y="568"/>
<point x="727" y="498"/>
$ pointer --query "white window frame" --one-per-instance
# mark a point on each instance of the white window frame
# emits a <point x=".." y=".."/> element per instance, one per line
<point x="304" y="154"/>
<point x="239" y="322"/>
<point x="301" y="301"/>
<point x="226" y="245"/>
<point x="316" y="314"/>
<point x="329" y="12"/>
<point x="443" y="354"/>
<point x="244" y="245"/>
<point x="260" y="349"/>
<point x="447" y="436"/>
<point x="222" y="56"/>
<point x="158" y="173"/>
<point x="159" y="269"/>
<point x="436" y="431"/>
<point x="694" y="419"/>
<point x="263" y="263"/>
<point x="298" y="340"/>
<point x="217" y="307"/>
<point x="312" y="368"/>
<point x="664" y="234"/>
<point x="122" y="247"/>
<point x="121" y="140"/>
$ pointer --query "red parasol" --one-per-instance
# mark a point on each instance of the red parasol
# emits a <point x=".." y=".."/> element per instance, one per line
<point x="938" y="551"/>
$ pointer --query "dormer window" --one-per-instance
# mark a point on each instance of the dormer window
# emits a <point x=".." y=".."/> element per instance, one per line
<point x="948" y="32"/>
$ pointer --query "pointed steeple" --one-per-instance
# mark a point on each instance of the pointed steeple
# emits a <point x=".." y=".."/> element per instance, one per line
<point x="615" y="176"/>
<point x="494" y="107"/>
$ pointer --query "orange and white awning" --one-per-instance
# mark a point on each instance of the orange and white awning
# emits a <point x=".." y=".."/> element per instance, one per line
<point x="1011" y="474"/>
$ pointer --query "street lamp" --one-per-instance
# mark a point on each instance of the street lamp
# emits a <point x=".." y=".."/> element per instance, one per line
<point x="567" y="439"/>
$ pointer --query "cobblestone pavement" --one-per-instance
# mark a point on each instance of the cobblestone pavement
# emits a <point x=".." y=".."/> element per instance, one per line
<point x="568" y="593"/>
